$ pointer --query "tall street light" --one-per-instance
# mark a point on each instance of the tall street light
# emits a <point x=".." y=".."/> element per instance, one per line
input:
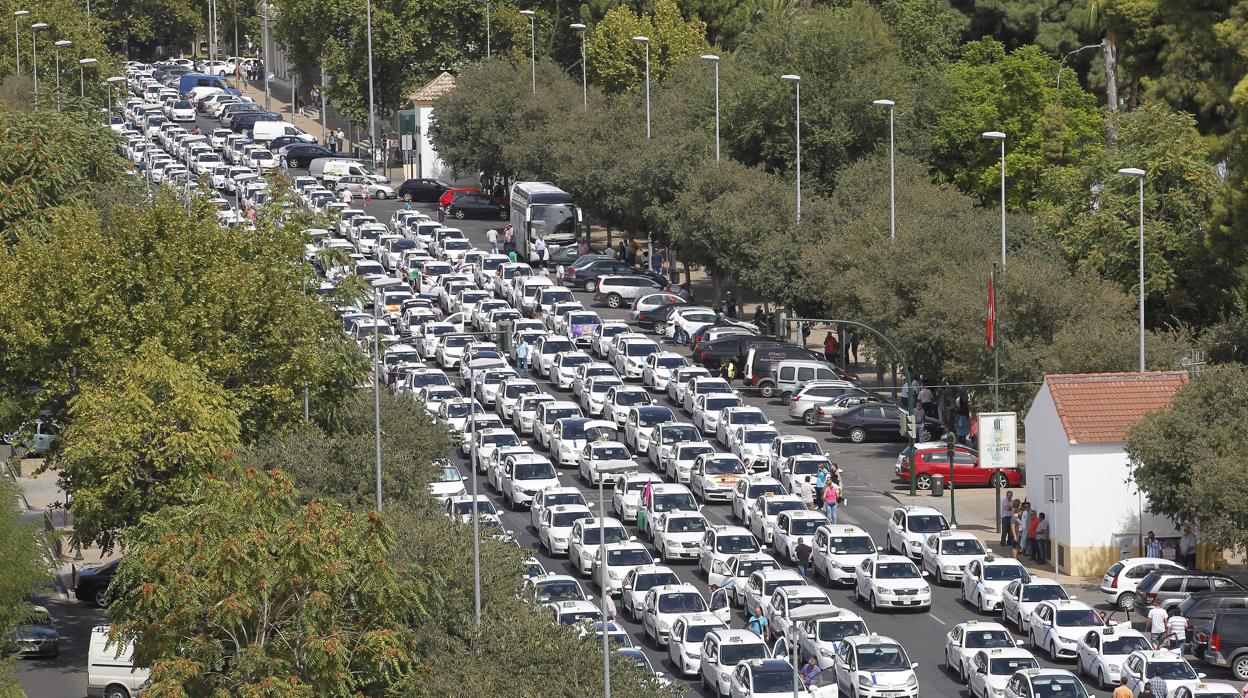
<point x="797" y="83"/>
<point x="82" y="84"/>
<point x="715" y="60"/>
<point x="998" y="136"/>
<point x="476" y="523"/>
<point x="603" y="472"/>
<point x="58" y="45"/>
<point x="1139" y="175"/>
<point x="488" y="32"/>
<point x="378" y="371"/>
<point x="532" y="45"/>
<point x="372" y="110"/>
<point x="646" y="40"/>
<point x="264" y="38"/>
<point x="584" y="68"/>
<point x="892" y="179"/>
<point x="34" y="56"/>
<point x="109" y="83"/>
<point x="17" y="37"/>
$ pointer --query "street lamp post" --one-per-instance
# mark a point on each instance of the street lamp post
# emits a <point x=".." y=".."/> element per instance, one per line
<point x="116" y="79"/>
<point x="476" y="525"/>
<point x="372" y="111"/>
<point x="797" y="83"/>
<point x="63" y="43"/>
<point x="17" y="37"/>
<point x="532" y="45"/>
<point x="715" y="60"/>
<point x="1138" y="174"/>
<point x="488" y="31"/>
<point x="646" y="40"/>
<point x="892" y="179"/>
<point x="603" y="472"/>
<point x="82" y="83"/>
<point x="584" y="68"/>
<point x="34" y="56"/>
<point x="998" y="136"/>
<point x="264" y="38"/>
<point x="378" y="367"/>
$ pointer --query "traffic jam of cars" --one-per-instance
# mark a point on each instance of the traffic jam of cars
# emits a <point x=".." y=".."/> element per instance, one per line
<point x="595" y="427"/>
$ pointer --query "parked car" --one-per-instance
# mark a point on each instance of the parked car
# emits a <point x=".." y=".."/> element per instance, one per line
<point x="362" y="186"/>
<point x="1119" y="584"/>
<point x="427" y="190"/>
<point x="585" y="272"/>
<point x="1171" y="587"/>
<point x="933" y="459"/>
<point x="1201" y="608"/>
<point x="91" y="583"/>
<point x="301" y="155"/>
<point x="470" y="204"/>
<point x="615" y="291"/>
<point x="36" y="634"/>
<point x="877" y="422"/>
<point x="1226" y="643"/>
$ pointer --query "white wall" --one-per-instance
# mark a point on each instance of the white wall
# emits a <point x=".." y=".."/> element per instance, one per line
<point x="1047" y="454"/>
<point x="430" y="164"/>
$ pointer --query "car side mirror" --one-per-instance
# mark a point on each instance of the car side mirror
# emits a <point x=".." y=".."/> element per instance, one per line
<point x="589" y="597"/>
<point x="1201" y="675"/>
<point x="982" y="670"/>
<point x="591" y="504"/>
<point x="926" y="574"/>
<point x="1073" y="598"/>
<point x="1018" y="643"/>
<point x="914" y="665"/>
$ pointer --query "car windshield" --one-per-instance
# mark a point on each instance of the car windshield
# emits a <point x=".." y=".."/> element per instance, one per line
<point x="459" y="409"/>
<point x="554" y="346"/>
<point x="658" y="416"/>
<point x="1084" y="617"/>
<point x="501" y="439"/>
<point x="697" y="633"/>
<point x="805" y="527"/>
<point x="1006" y="667"/>
<point x="645" y="582"/>
<point x="797" y="448"/>
<point x="640" y="348"/>
<point x="630" y="398"/>
<point x="748" y="417"/>
<point x="835" y="630"/>
<point x="522" y="389"/>
<point x="566" y="519"/>
<point x="596" y="371"/>
<point x="602" y="386"/>
<point x="574" y="360"/>
<point x="678" y="501"/>
<point x="583" y="319"/>
<point x="552" y="500"/>
<point x="630" y="557"/>
<point x="926" y="523"/>
<point x="851" y="545"/>
<point x="559" y="590"/>
<point x="576" y="617"/>
<point x="1044" y="592"/>
<point x="723" y="466"/>
<point x="747" y="567"/>
<point x="706" y="387"/>
<point x="715" y="404"/>
<point x="637" y="485"/>
<point x="604" y="432"/>
<point x="677" y="434"/>
<point x="670" y="362"/>
<point x="449" y="474"/>
<point x="535" y="471"/>
<point x="896" y="570"/>
<point x="1063" y="686"/>
<point x="731" y="655"/>
<point x="962" y="546"/>
<point x="261" y="155"/>
<point x="1124" y="645"/>
<point x="882" y="657"/>
<point x="615" y="534"/>
<point x="760" y="436"/>
<point x="686" y="524"/>
<point x="985" y="639"/>
<point x="776" y="506"/>
<point x="772" y="681"/>
<point x="457" y="341"/>
<point x="691" y="452"/>
<point x="483" y="507"/>
<point x="1172" y="670"/>
<point x="609" y="453"/>
<point x="555" y="413"/>
<point x="763" y="490"/>
<point x="456" y="245"/>
<point x="807" y="466"/>
<point x="737" y="544"/>
<point x="1000" y="573"/>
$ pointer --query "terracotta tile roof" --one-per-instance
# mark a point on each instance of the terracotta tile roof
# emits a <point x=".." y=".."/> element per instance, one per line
<point x="433" y="89"/>
<point x="1099" y="408"/>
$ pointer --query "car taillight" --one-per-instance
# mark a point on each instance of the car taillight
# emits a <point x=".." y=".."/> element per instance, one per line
<point x="754" y="379"/>
<point x="1150" y="597"/>
<point x="1114" y="584"/>
<point x="1215" y="643"/>
<point x="834" y="421"/>
<point x="569" y="273"/>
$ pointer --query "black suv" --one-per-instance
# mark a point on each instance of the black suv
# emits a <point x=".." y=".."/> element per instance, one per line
<point x="1226" y="643"/>
<point x="585" y="272"/>
<point x="1172" y="587"/>
<point x="472" y="204"/>
<point x="1199" y="609"/>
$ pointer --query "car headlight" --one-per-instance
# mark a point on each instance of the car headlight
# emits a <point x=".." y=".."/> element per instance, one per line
<point x="925" y="589"/>
<point x="998" y="691"/>
<point x="915" y="544"/>
<point x="664" y="626"/>
<point x="864" y="681"/>
<point x="1113" y="667"/>
<point x="912" y="681"/>
<point x="950" y="569"/>
<point x="557" y="539"/>
<point x="884" y="592"/>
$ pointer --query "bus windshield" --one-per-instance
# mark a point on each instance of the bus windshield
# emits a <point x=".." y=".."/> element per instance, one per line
<point x="553" y="218"/>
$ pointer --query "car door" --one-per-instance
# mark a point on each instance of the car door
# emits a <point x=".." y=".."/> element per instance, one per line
<point x="706" y="551"/>
<point x="966" y="470"/>
<point x="1088" y="647"/>
<point x="968" y="578"/>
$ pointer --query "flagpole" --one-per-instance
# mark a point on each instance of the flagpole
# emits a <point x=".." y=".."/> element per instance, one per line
<point x="996" y="352"/>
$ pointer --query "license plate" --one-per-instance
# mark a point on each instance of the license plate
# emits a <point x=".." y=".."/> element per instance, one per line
<point x="906" y="602"/>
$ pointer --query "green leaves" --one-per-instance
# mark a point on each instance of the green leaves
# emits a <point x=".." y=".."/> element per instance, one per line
<point x="617" y="62"/>
<point x="24" y="550"/>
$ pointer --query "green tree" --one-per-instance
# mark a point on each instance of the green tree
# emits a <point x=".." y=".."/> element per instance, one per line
<point x="26" y="567"/>
<point x="141" y="439"/>
<point x="1189" y="456"/>
<point x="472" y="124"/>
<point x="279" y="598"/>
<point x="927" y="31"/>
<point x="617" y="62"/>
<point x="990" y="90"/>
<point x="1095" y="216"/>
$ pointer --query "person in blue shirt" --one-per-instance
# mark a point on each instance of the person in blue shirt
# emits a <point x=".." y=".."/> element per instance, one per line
<point x="821" y="479"/>
<point x="522" y="357"/>
<point x="810" y="670"/>
<point x="758" y="624"/>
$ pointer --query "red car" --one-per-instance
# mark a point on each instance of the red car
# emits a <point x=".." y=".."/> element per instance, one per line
<point x="933" y="460"/>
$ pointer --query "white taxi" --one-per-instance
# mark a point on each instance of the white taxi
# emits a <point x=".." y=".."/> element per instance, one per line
<point x="874" y="666"/>
<point x="762" y="678"/>
<point x="791" y="526"/>
<point x="984" y="581"/>
<point x="599" y="456"/>
<point x="722" y="650"/>
<point x="991" y="670"/>
<point x="965" y="639"/>
<point x="946" y="554"/>
<point x="584" y="539"/>
<point x="748" y="489"/>
<point x="909" y="526"/>
<point x="679" y="460"/>
<point x="524" y="476"/>
<point x="891" y="581"/>
<point x="1030" y="683"/>
<point x="684" y="645"/>
<point x="713" y="476"/>
<point x="1057" y="626"/>
<point x="1141" y="665"/>
<point x="553" y="496"/>
<point x="737" y="569"/>
<point x="762" y="585"/>
<point x="676" y="534"/>
<point x="820" y="630"/>
<point x="722" y="542"/>
<point x="838" y="551"/>
<point x="1101" y="653"/>
<point x="763" y="512"/>
<point x="576" y="612"/>
<point x="664" y="604"/>
<point x="555" y="526"/>
<point x="621" y="558"/>
<point x="626" y="493"/>
<point x="556" y="588"/>
<point x="1021" y="597"/>
<point x="638" y="582"/>
<point x="787" y="599"/>
<point x="750" y="444"/>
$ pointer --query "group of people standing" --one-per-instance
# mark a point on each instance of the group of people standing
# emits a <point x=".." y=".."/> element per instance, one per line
<point x="1024" y="530"/>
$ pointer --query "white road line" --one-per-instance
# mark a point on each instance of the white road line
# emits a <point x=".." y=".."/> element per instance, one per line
<point x="938" y="620"/>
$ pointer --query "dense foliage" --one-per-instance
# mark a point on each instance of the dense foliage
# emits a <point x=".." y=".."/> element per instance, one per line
<point x="24" y="550"/>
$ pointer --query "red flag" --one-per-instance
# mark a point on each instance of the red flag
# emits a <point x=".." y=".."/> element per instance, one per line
<point x="992" y="315"/>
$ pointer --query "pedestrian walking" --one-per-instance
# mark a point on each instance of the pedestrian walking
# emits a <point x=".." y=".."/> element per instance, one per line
<point x="1156" y="686"/>
<point x="1152" y="546"/>
<point x="1187" y="547"/>
<point x="560" y="273"/>
<point x="1042" y="539"/>
<point x="807" y="490"/>
<point x="829" y="347"/>
<point x="807" y="328"/>
<point x="1157" y="624"/>
<point x="1024" y="528"/>
<point x="811" y="671"/>
<point x="821" y="480"/>
<point x="831" y="495"/>
<point x="509" y="242"/>
<point x="340" y="138"/>
<point x="1176" y="631"/>
<point x="758" y="624"/>
<point x="522" y="355"/>
<point x="610" y="603"/>
<point x="801" y="554"/>
<point x="1007" y="516"/>
<point x="730" y="305"/>
<point x="1123" y="690"/>
<point x="657" y="259"/>
<point x="491" y="236"/>
<point x="543" y="253"/>
<point x="851" y="347"/>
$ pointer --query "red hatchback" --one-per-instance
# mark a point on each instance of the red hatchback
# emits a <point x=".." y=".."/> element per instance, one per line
<point x="934" y="460"/>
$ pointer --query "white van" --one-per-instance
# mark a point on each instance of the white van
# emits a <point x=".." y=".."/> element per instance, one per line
<point x="110" y="670"/>
<point x="266" y="131"/>
<point x="334" y="169"/>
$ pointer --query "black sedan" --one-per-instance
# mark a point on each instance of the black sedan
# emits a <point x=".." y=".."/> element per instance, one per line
<point x="428" y="190"/>
<point x="91" y="584"/>
<point x="585" y="273"/>
<point x="301" y="155"/>
<point x="655" y="318"/>
<point x="878" y="422"/>
<point x="471" y="204"/>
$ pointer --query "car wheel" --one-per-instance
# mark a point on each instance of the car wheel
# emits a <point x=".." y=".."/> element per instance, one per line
<point x="858" y="435"/>
<point x="590" y="286"/>
<point x="999" y="480"/>
<point x="407" y="196"/>
<point x="614" y="300"/>
<point x="1031" y="637"/>
<point x="1126" y="602"/>
<point x="502" y="215"/>
<point x="786" y="398"/>
<point x="810" y="418"/>
<point x="116" y="691"/>
<point x="102" y="598"/>
<point x="1052" y="652"/>
<point x="459" y="214"/>
<point x="1100" y="679"/>
<point x="922" y="482"/>
<point x="875" y="608"/>
<point x="767" y="390"/>
<point x="1239" y="667"/>
<point x="940" y="577"/>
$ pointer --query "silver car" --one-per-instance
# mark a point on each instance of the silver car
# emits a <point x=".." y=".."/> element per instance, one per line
<point x="805" y="403"/>
<point x="362" y="186"/>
